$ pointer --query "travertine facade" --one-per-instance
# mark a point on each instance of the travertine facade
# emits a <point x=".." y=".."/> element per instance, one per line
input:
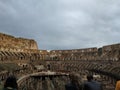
<point x="9" y="43"/>
<point x="26" y="49"/>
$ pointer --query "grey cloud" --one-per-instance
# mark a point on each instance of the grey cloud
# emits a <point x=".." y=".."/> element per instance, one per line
<point x="62" y="24"/>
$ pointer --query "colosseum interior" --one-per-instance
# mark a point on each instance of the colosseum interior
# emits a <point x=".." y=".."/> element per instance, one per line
<point x="49" y="70"/>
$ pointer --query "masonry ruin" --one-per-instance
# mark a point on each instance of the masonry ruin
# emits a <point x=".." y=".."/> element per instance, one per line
<point x="23" y="58"/>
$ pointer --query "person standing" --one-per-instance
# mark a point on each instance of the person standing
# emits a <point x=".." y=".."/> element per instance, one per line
<point x="74" y="83"/>
<point x="91" y="84"/>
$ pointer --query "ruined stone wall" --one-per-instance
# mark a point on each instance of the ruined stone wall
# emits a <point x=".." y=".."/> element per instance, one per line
<point x="75" y="54"/>
<point x="111" y="52"/>
<point x="18" y="50"/>
<point x="27" y="49"/>
<point x="9" y="43"/>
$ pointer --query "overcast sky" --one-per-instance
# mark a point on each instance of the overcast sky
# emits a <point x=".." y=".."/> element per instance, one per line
<point x="62" y="24"/>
